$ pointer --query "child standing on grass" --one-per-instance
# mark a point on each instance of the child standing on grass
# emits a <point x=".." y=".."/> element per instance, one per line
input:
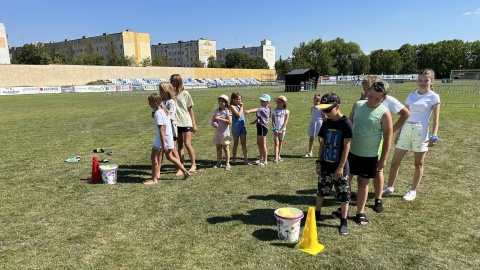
<point x="163" y="140"/>
<point x="315" y="123"/>
<point x="221" y="120"/>
<point x="372" y="122"/>
<point x="185" y="120"/>
<point x="239" y="127"/>
<point x="167" y="92"/>
<point x="332" y="163"/>
<point x="279" y="122"/>
<point x="263" y="117"/>
<point x="413" y="136"/>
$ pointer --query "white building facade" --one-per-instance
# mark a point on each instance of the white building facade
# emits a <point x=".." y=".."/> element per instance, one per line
<point x="4" y="53"/>
<point x="266" y="51"/>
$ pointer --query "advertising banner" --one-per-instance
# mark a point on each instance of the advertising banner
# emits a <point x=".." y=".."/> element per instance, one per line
<point x="150" y="87"/>
<point x="137" y="87"/>
<point x="67" y="89"/>
<point x="110" y="88"/>
<point x="50" y="90"/>
<point x="89" y="88"/>
<point x="11" y="91"/>
<point x="124" y="87"/>
<point x="31" y="90"/>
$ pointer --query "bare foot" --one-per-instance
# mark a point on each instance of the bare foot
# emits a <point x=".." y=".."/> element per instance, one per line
<point x="193" y="168"/>
<point x="179" y="172"/>
<point x="150" y="182"/>
<point x="186" y="175"/>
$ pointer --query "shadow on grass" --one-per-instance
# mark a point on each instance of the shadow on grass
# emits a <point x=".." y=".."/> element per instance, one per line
<point x="291" y="199"/>
<point x="312" y="191"/>
<point x="266" y="234"/>
<point x="259" y="217"/>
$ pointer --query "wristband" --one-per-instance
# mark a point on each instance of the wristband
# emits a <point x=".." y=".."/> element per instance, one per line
<point x="274" y="129"/>
<point x="434" y="138"/>
<point x="318" y="161"/>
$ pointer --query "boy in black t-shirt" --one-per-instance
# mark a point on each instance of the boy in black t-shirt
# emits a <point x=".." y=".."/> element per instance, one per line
<point x="332" y="163"/>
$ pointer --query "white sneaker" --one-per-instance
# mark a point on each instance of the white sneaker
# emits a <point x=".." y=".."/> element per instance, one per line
<point x="309" y="154"/>
<point x="262" y="164"/>
<point x="258" y="161"/>
<point x="388" y="190"/>
<point x="410" y="196"/>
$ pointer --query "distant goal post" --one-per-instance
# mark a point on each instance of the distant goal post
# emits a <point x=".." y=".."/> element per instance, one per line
<point x="465" y="74"/>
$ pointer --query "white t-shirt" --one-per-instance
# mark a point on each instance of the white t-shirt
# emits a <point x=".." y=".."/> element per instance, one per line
<point x="161" y="119"/>
<point x="393" y="105"/>
<point x="279" y="117"/>
<point x="420" y="106"/>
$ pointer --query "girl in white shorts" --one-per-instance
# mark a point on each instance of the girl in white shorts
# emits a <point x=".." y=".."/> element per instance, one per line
<point x="414" y="135"/>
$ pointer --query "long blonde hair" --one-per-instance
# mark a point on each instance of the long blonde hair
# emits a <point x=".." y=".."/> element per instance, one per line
<point x="155" y="97"/>
<point x="168" y="88"/>
<point x="177" y="82"/>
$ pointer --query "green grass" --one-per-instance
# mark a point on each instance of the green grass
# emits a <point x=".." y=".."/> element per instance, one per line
<point x="52" y="219"/>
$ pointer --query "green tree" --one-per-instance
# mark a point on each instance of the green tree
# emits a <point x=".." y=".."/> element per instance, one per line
<point x="94" y="59"/>
<point x="212" y="62"/>
<point x="256" y="63"/>
<point x="116" y="60"/>
<point x="451" y="54"/>
<point x="160" y="62"/>
<point x="59" y="58"/>
<point x="282" y="67"/>
<point x="425" y="55"/>
<point x="198" y="64"/>
<point x="78" y="60"/>
<point x="131" y="60"/>
<point x="236" y="60"/>
<point x="385" y="62"/>
<point x="146" y="62"/>
<point x="34" y="54"/>
<point x="344" y="54"/>
<point x="316" y="55"/>
<point x="473" y="55"/>
<point x="408" y="54"/>
<point x="361" y="64"/>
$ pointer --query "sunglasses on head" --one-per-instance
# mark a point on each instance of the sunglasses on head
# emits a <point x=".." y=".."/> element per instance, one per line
<point x="329" y="109"/>
<point x="379" y="87"/>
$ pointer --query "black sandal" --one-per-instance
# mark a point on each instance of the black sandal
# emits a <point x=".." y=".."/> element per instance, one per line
<point x="361" y="219"/>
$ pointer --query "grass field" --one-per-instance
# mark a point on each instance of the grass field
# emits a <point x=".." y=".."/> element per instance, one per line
<point x="50" y="218"/>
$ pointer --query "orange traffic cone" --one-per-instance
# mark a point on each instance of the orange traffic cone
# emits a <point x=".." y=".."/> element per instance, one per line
<point x="96" y="174"/>
<point x="309" y="243"/>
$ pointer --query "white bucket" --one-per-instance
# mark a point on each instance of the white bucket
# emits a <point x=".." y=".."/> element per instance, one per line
<point x="288" y="223"/>
<point x="109" y="173"/>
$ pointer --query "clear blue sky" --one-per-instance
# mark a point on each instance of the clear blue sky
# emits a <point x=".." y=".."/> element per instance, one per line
<point x="372" y="24"/>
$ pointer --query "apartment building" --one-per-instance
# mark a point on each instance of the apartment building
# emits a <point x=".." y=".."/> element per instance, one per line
<point x="185" y="53"/>
<point x="266" y="51"/>
<point x="126" y="43"/>
<point x="4" y="52"/>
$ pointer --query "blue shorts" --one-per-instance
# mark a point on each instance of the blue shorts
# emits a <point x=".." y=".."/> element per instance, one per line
<point x="239" y="130"/>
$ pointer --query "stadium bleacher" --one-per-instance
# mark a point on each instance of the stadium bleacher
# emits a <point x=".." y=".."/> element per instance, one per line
<point x="187" y="82"/>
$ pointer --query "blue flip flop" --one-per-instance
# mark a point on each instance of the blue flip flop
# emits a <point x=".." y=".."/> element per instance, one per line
<point x="73" y="159"/>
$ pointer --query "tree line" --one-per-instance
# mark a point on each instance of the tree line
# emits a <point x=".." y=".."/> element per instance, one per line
<point x="37" y="54"/>
<point x="337" y="57"/>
